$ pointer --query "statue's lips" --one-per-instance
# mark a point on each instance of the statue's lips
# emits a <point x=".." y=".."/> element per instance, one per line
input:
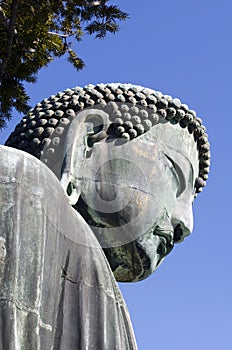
<point x="166" y="239"/>
<point x="165" y="246"/>
<point x="152" y="249"/>
<point x="162" y="247"/>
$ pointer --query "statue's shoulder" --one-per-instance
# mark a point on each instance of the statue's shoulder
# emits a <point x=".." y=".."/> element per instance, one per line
<point x="22" y="164"/>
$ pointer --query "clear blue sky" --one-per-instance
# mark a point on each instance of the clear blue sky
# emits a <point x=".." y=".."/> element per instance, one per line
<point x="182" y="48"/>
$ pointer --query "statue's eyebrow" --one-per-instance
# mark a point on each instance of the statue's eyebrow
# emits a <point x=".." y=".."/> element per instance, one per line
<point x="180" y="175"/>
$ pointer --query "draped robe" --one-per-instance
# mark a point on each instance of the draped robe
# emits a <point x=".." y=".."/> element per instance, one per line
<point x="57" y="290"/>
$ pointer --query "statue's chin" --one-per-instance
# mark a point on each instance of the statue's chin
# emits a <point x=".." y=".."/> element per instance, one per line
<point x="133" y="256"/>
<point x="137" y="260"/>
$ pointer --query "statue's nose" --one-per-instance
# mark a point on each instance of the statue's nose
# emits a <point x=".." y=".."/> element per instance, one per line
<point x="182" y="223"/>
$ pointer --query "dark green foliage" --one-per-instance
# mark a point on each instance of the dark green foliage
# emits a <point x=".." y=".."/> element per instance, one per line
<point x="33" y="33"/>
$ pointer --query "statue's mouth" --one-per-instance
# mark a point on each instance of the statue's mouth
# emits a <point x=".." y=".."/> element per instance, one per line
<point x="132" y="257"/>
<point x="165" y="246"/>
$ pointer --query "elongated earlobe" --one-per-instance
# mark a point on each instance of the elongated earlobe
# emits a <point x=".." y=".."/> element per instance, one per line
<point x="73" y="193"/>
<point x="70" y="188"/>
<point x="87" y="128"/>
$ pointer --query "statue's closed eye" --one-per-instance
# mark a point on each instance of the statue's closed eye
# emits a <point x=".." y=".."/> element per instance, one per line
<point x="179" y="174"/>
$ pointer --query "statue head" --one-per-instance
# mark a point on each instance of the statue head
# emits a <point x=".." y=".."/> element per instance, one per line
<point x="131" y="161"/>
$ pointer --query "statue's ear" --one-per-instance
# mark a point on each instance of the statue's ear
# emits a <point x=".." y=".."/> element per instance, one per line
<point x="88" y="127"/>
<point x="97" y="123"/>
<point x="70" y="187"/>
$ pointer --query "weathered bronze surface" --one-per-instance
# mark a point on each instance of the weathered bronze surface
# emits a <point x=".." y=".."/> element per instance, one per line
<point x="57" y="290"/>
<point x="130" y="161"/>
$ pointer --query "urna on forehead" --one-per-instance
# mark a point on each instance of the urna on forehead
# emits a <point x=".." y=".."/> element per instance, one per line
<point x="133" y="110"/>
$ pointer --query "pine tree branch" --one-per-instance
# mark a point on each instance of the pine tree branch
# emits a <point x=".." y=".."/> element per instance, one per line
<point x="34" y="32"/>
<point x="58" y="34"/>
<point x="10" y="37"/>
<point x="3" y="17"/>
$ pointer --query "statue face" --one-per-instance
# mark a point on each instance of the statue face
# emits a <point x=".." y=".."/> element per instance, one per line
<point x="137" y="196"/>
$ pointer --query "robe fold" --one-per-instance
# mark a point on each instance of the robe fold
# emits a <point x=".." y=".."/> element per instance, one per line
<point x="57" y="291"/>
